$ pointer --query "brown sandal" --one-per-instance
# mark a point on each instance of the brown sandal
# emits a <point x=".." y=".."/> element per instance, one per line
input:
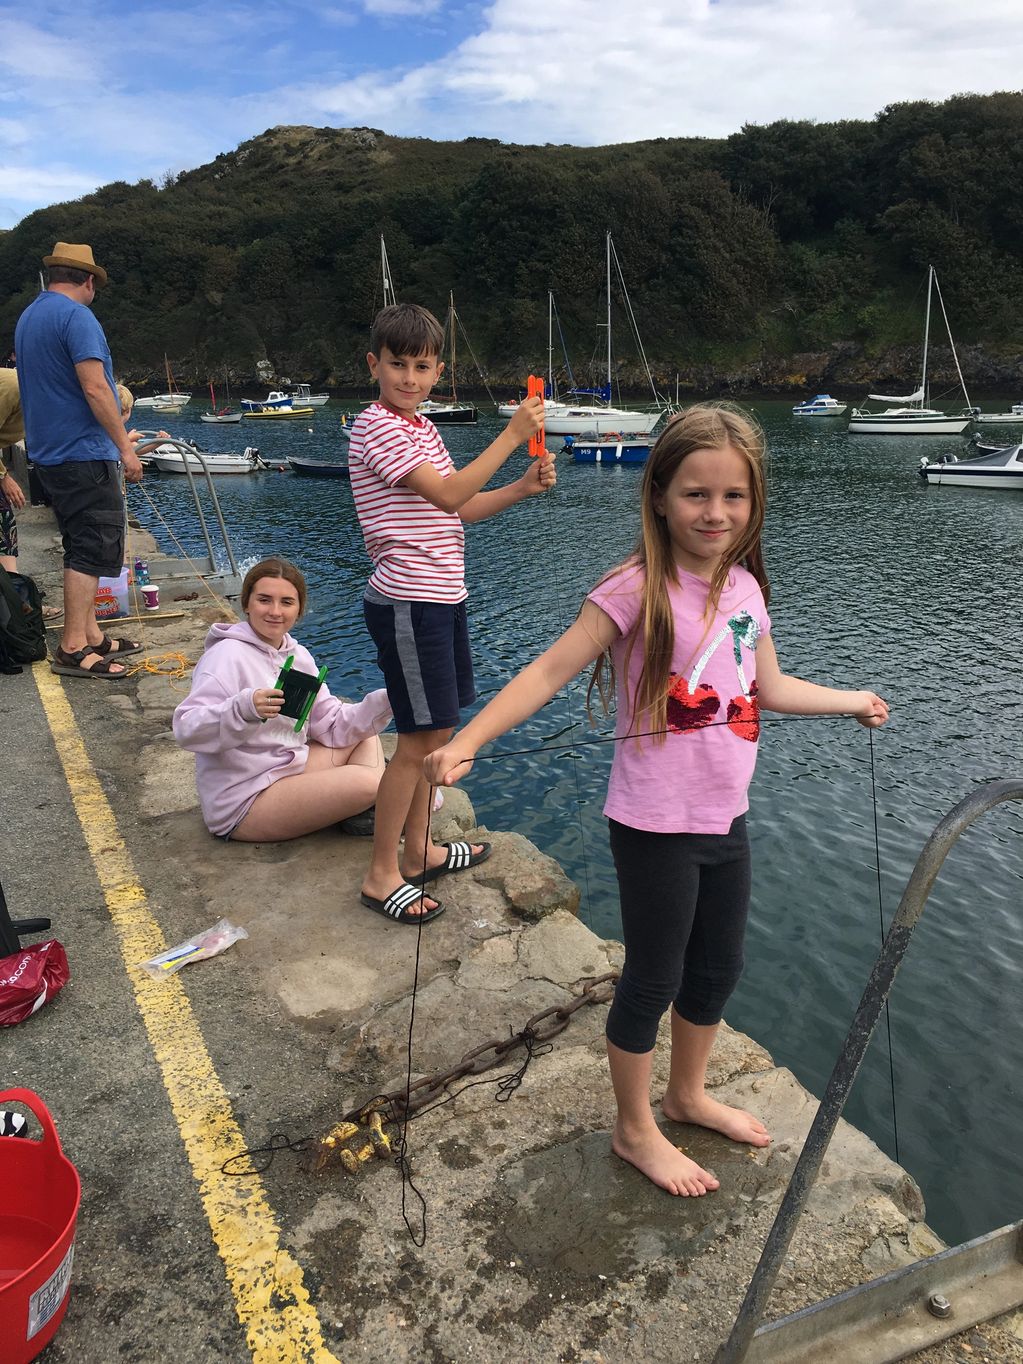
<point x="71" y="665"/>
<point x="110" y="644"/>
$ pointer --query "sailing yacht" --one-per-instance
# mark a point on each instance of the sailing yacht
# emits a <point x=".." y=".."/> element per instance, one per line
<point x="172" y="400"/>
<point x="912" y="417"/>
<point x="449" y="411"/>
<point x="572" y="419"/>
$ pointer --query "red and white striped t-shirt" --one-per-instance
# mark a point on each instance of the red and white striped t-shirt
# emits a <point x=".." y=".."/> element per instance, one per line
<point x="418" y="551"/>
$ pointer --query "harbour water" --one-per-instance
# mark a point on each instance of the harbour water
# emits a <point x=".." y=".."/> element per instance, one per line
<point x="877" y="580"/>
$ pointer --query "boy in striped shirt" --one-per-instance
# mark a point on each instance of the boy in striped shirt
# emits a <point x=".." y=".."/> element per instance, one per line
<point x="412" y="503"/>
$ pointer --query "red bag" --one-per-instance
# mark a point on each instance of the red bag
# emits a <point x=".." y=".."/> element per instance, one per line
<point x="29" y="978"/>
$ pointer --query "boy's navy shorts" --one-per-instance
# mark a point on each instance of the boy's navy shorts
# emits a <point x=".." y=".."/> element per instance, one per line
<point x="423" y="653"/>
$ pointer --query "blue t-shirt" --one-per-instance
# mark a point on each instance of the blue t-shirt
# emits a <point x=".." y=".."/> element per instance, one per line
<point x="54" y="334"/>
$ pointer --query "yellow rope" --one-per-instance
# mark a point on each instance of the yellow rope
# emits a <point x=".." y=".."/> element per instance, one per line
<point x="170" y="666"/>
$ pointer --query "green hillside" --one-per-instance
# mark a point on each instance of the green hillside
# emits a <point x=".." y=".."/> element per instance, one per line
<point x="787" y="254"/>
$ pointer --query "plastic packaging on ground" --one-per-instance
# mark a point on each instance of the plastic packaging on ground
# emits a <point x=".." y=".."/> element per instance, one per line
<point x="197" y="948"/>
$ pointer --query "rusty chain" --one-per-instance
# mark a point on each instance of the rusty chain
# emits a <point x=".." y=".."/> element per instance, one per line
<point x="403" y="1104"/>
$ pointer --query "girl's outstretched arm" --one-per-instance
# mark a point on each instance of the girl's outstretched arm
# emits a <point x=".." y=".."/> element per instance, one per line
<point x="585" y="640"/>
<point x="793" y="696"/>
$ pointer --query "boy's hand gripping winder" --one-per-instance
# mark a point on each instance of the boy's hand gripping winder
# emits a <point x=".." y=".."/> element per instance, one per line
<point x="535" y="389"/>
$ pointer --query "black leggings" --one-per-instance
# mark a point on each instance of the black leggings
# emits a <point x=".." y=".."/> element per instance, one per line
<point x="685" y="899"/>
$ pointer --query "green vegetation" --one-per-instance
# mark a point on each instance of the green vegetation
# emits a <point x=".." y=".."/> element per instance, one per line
<point x="783" y="254"/>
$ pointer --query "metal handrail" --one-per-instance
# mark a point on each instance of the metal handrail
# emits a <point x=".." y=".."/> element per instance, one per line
<point x="186" y="451"/>
<point x="875" y="994"/>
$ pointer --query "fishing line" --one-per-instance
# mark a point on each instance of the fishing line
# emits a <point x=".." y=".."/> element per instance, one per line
<point x="880" y="914"/>
<point x="568" y="697"/>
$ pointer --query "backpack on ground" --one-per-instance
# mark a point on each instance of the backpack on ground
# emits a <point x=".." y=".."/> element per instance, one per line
<point x="22" y="633"/>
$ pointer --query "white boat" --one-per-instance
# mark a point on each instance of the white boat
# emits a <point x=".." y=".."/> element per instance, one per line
<point x="171" y="459"/>
<point x="577" y="419"/>
<point x="220" y="418"/>
<point x="823" y="405"/>
<point x="999" y="469"/>
<point x="1000" y="418"/>
<point x="912" y="417"/>
<point x="275" y="398"/>
<point x="304" y="397"/>
<point x="165" y="402"/>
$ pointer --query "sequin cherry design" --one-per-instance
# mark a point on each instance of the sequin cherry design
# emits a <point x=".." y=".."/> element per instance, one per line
<point x="691" y="709"/>
<point x="743" y="713"/>
<point x="693" y="704"/>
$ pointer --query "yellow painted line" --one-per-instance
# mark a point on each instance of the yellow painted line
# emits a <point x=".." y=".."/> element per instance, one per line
<point x="270" y="1295"/>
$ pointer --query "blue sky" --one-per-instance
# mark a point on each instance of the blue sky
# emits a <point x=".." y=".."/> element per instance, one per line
<point x="101" y="90"/>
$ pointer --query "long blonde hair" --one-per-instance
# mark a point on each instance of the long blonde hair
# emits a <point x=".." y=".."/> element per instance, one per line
<point x="706" y="426"/>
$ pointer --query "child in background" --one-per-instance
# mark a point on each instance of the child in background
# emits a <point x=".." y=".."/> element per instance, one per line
<point x="683" y="628"/>
<point x="412" y="503"/>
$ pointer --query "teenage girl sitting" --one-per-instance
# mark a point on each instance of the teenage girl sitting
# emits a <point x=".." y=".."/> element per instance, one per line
<point x="258" y="780"/>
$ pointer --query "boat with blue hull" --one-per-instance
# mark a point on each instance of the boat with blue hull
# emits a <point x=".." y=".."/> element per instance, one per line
<point x="615" y="448"/>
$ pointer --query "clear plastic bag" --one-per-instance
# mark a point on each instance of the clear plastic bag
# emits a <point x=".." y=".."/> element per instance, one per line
<point x="197" y="948"/>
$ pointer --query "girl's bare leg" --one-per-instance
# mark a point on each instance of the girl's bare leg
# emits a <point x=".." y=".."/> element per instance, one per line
<point x="335" y="783"/>
<point x="686" y="1098"/>
<point x="636" y="1136"/>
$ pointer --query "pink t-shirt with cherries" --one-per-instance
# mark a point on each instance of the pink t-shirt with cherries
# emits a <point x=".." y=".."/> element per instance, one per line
<point x="696" y="778"/>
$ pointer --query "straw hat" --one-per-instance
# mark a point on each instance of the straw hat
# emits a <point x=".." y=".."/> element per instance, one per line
<point x="76" y="257"/>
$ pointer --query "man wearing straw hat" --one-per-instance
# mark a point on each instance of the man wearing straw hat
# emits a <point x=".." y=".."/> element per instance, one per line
<point x="76" y="439"/>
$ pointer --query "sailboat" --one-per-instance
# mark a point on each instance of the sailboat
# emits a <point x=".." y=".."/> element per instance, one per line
<point x="171" y="401"/>
<point x="448" y="411"/>
<point x="912" y="417"/>
<point x="573" y="419"/>
<point x="219" y="416"/>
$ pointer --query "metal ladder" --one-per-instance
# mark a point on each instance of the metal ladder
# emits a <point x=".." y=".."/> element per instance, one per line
<point x="165" y="569"/>
<point x="909" y="1309"/>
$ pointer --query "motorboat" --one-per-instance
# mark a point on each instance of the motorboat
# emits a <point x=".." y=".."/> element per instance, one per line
<point x="172" y="459"/>
<point x="912" y="417"/>
<point x="275" y="398"/>
<point x="283" y="410"/>
<point x="303" y="395"/>
<point x="1015" y="414"/>
<point x="823" y="405"/>
<point x="318" y="468"/>
<point x="1001" y="468"/>
<point x="613" y="448"/>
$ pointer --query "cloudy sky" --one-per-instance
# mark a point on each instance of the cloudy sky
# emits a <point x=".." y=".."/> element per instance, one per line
<point x="100" y="90"/>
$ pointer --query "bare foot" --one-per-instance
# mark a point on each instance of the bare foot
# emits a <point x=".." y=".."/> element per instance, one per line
<point x="654" y="1156"/>
<point x="734" y="1123"/>
<point x="437" y="856"/>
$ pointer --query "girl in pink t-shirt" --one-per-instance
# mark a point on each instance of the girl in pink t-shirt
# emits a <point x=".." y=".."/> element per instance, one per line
<point x="683" y="631"/>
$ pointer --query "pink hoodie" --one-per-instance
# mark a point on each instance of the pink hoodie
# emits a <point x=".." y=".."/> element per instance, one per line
<point x="237" y="756"/>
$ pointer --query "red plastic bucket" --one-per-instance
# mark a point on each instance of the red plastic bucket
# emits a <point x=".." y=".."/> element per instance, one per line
<point x="39" y="1196"/>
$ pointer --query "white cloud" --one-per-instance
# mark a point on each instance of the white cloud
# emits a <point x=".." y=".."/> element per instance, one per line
<point x="584" y="71"/>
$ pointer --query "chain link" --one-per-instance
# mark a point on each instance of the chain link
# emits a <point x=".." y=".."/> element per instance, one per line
<point x="424" y="1092"/>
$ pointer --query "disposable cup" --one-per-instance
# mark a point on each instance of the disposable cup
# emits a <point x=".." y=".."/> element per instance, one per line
<point x="151" y="596"/>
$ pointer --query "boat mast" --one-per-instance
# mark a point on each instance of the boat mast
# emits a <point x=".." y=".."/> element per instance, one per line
<point x="385" y="271"/>
<point x="609" y="317"/>
<point x="452" y="323"/>
<point x="550" y="341"/>
<point x="927" y="336"/>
